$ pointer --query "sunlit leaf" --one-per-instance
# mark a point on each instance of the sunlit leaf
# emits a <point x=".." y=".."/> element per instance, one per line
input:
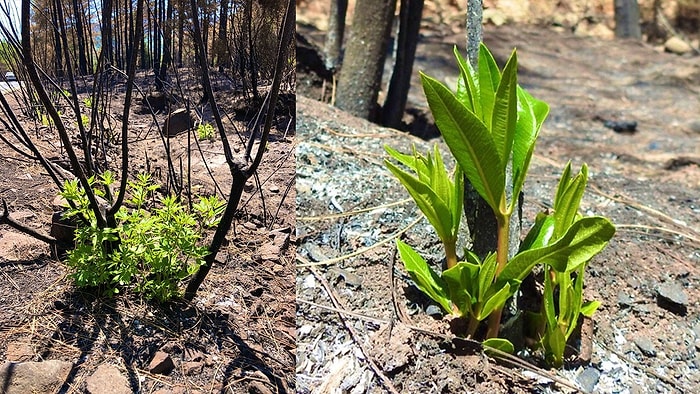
<point x="584" y="239"/>
<point x="468" y="139"/>
<point x="425" y="278"/>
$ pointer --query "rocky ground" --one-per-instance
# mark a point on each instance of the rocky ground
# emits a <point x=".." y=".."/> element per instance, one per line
<point x="361" y="324"/>
<point x="238" y="333"/>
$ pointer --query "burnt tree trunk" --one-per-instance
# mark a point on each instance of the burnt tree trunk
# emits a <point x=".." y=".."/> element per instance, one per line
<point x="80" y="38"/>
<point x="481" y="220"/>
<point x="409" y="26"/>
<point x="627" y="19"/>
<point x="336" y="31"/>
<point x="361" y="76"/>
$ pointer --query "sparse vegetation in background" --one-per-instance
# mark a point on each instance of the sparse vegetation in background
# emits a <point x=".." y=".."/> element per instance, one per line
<point x="205" y="131"/>
<point x="491" y="125"/>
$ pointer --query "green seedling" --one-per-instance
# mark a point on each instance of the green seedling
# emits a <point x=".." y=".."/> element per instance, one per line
<point x="154" y="246"/>
<point x="87" y="101"/>
<point x="205" y="131"/>
<point x="438" y="195"/>
<point x="490" y="125"/>
<point x="556" y="321"/>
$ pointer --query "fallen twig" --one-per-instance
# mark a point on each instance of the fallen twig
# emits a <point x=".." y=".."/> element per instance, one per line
<point x="6" y="219"/>
<point x="375" y="368"/>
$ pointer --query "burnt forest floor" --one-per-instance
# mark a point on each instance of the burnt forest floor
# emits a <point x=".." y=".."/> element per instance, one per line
<point x="238" y="334"/>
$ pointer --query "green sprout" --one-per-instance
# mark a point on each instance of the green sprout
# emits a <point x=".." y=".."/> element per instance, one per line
<point x="490" y="124"/>
<point x="205" y="131"/>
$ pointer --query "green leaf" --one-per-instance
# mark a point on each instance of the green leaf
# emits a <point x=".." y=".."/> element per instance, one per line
<point x="588" y="308"/>
<point x="583" y="240"/>
<point x="548" y="300"/>
<point x="489" y="76"/>
<point x="501" y="344"/>
<point x="433" y="207"/>
<point x="494" y="302"/>
<point x="457" y="199"/>
<point x="554" y="343"/>
<point x="461" y="284"/>
<point x="467" y="87"/>
<point x="505" y="111"/>
<point x="531" y="115"/>
<point x="540" y="234"/>
<point x="426" y="279"/>
<point x="469" y="141"/>
<point x="568" y="198"/>
<point x="486" y="275"/>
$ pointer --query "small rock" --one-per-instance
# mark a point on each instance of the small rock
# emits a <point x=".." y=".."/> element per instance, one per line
<point x="107" y="380"/>
<point x="588" y="378"/>
<point x="309" y="282"/>
<point x="694" y="126"/>
<point x="192" y="367"/>
<point x="250" y="225"/>
<point x="621" y="126"/>
<point x="34" y="377"/>
<point x="269" y="252"/>
<point x="256" y="387"/>
<point x="433" y="310"/>
<point x="161" y="363"/>
<point x="59" y="203"/>
<point x="677" y="45"/>
<point x="624" y="300"/>
<point x="672" y="297"/>
<point x="177" y="122"/>
<point x="19" y="351"/>
<point x="351" y="279"/>
<point x="645" y="346"/>
<point x="316" y="253"/>
<point x="273" y="188"/>
<point x="494" y="16"/>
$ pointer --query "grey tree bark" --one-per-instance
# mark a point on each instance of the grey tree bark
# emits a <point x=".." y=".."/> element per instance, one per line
<point x="361" y="76"/>
<point x="627" y="19"/>
<point x="336" y="32"/>
<point x="480" y="218"/>
<point x="409" y="26"/>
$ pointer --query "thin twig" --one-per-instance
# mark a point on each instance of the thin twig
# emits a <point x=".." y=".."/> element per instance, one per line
<point x="375" y="368"/>
<point x="351" y="213"/>
<point x="358" y="252"/>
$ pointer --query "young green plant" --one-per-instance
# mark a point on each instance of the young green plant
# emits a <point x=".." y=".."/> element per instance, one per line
<point x="555" y="323"/>
<point x="490" y="125"/>
<point x="154" y="245"/>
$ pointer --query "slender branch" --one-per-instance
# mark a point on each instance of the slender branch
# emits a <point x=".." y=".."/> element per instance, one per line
<point x="127" y="108"/>
<point x="6" y="219"/>
<point x="53" y="113"/>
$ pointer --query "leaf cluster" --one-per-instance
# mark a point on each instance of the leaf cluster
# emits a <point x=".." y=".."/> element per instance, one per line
<point x="153" y="247"/>
<point x="490" y="125"/>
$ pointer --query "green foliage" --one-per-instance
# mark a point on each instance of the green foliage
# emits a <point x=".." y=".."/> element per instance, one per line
<point x="438" y="197"/>
<point x="87" y="101"/>
<point x="44" y="118"/>
<point x="85" y="120"/>
<point x="558" y="319"/>
<point x="205" y="131"/>
<point x="490" y="125"/>
<point x="154" y="246"/>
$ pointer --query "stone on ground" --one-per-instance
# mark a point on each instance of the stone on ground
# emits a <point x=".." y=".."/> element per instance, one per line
<point x="677" y="45"/>
<point x="107" y="380"/>
<point x="161" y="363"/>
<point x="34" y="377"/>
